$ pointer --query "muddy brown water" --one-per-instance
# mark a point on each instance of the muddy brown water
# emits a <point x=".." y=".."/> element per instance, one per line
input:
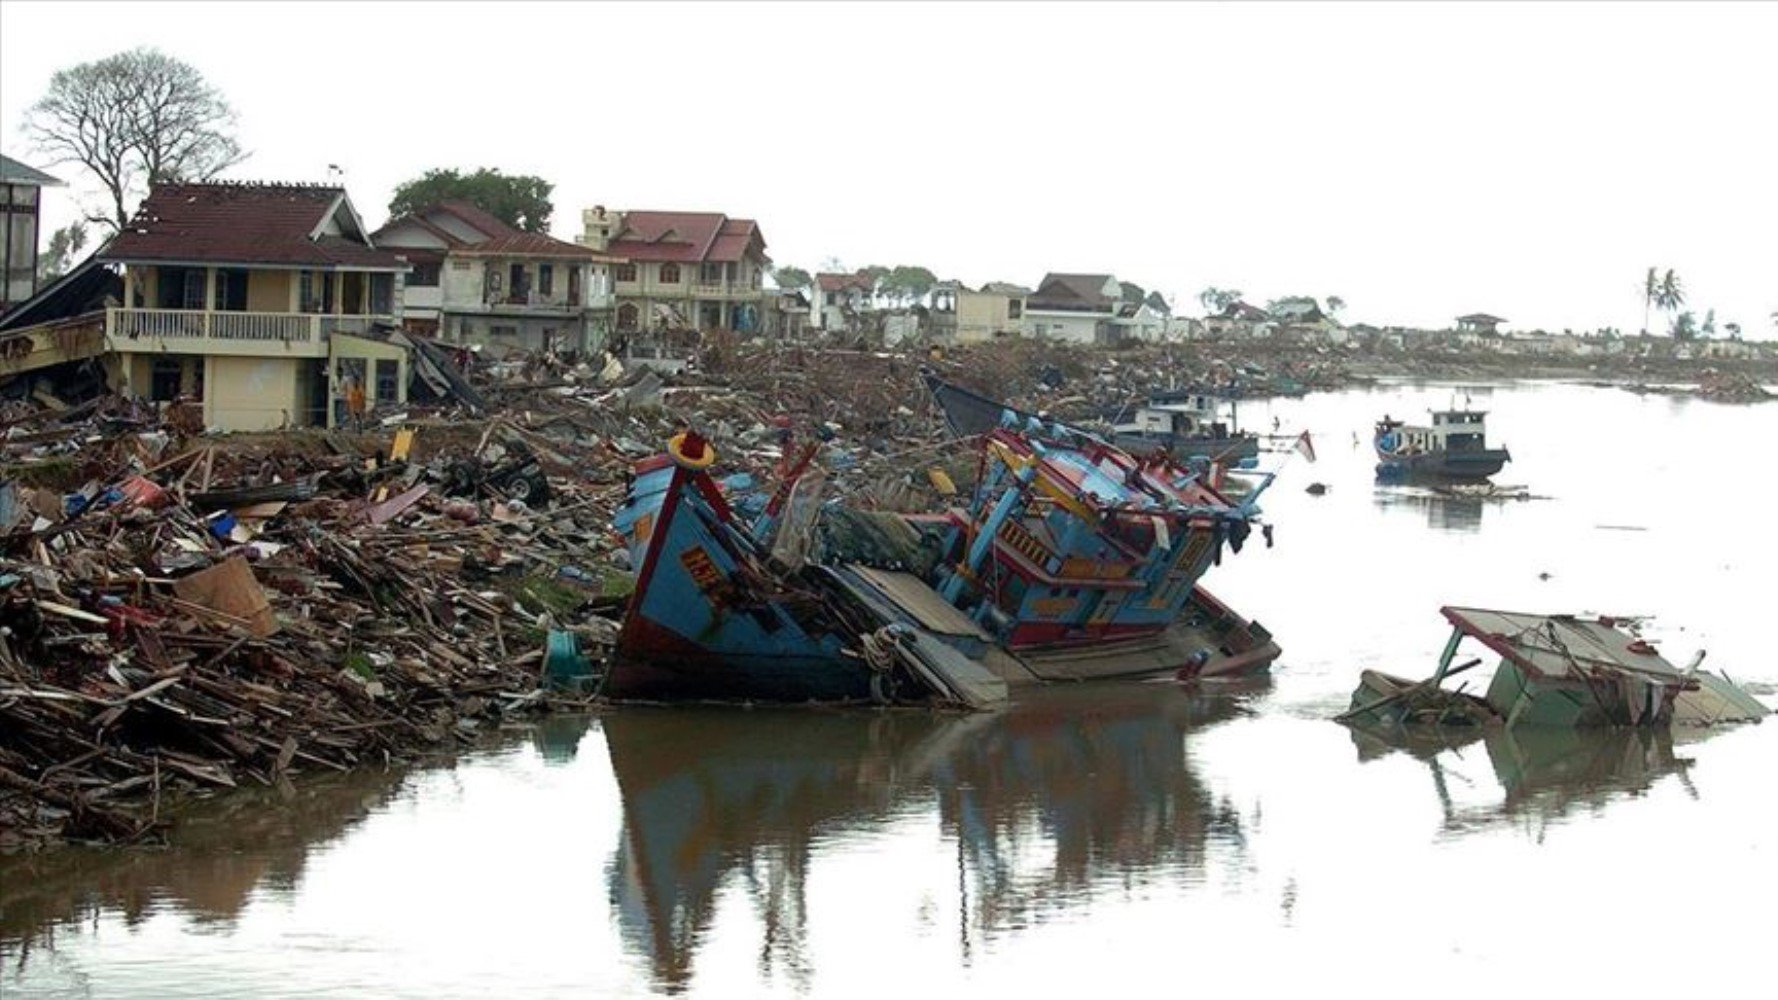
<point x="1121" y="839"/>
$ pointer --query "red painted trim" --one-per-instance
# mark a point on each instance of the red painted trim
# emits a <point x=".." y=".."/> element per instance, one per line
<point x="652" y="463"/>
<point x="657" y="540"/>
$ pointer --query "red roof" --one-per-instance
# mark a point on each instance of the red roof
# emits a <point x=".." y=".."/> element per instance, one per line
<point x="686" y="237"/>
<point x="841" y="282"/>
<point x="243" y="224"/>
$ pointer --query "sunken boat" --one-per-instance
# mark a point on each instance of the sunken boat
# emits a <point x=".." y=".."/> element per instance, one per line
<point x="1186" y="424"/>
<point x="1555" y="670"/>
<point x="1072" y="561"/>
<point x="726" y="607"/>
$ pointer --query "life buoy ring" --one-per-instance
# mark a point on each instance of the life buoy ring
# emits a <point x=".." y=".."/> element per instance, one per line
<point x="1388" y="443"/>
<point x="689" y="450"/>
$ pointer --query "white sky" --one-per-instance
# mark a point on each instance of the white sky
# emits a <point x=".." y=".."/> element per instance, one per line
<point x="1420" y="161"/>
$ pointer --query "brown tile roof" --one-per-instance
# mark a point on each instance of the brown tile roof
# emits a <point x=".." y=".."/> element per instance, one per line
<point x="501" y="239"/>
<point x="241" y="224"/>
<point x="686" y="237"/>
<point x="1072" y="290"/>
<point x="841" y="282"/>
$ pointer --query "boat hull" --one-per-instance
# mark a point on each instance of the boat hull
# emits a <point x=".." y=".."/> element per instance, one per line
<point x="1455" y="466"/>
<point x="1228" y="450"/>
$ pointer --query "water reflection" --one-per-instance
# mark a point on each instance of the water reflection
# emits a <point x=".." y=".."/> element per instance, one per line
<point x="1443" y="513"/>
<point x="227" y="849"/>
<point x="1544" y="774"/>
<point x="1067" y="791"/>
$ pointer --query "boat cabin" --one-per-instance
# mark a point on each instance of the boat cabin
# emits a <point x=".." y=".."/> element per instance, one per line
<point x="1191" y="414"/>
<point x="1450" y="431"/>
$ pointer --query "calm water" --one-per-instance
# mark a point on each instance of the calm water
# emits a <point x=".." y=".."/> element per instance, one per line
<point x="1134" y="839"/>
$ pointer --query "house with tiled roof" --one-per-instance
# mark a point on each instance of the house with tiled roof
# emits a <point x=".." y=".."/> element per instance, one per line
<point x="21" y="198"/>
<point x="702" y="270"/>
<point x="478" y="280"/>
<point x="262" y="302"/>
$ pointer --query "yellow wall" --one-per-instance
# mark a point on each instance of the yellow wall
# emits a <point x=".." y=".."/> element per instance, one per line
<point x="254" y="394"/>
<point x="269" y="291"/>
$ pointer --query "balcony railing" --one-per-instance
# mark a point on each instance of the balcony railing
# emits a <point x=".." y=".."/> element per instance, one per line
<point x="257" y="328"/>
<point x="534" y="299"/>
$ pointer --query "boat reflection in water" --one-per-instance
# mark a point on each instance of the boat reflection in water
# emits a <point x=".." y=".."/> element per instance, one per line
<point x="1544" y="773"/>
<point x="1443" y="513"/>
<point x="1064" y="793"/>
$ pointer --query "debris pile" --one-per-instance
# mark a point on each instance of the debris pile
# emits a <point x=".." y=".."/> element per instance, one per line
<point x="258" y="606"/>
<point x="1730" y="387"/>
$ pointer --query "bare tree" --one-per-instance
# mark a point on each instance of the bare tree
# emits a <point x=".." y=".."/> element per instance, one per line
<point x="136" y="118"/>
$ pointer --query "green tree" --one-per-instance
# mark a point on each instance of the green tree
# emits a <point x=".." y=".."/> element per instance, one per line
<point x="1685" y="326"/>
<point x="1651" y="290"/>
<point x="1215" y="300"/>
<point x="1671" y="295"/>
<point x="792" y="278"/>
<point x="64" y="248"/>
<point x="907" y="284"/>
<point x="1335" y="304"/>
<point x="134" y="119"/>
<point x="1709" y="327"/>
<point x="521" y="200"/>
<point x="1733" y="330"/>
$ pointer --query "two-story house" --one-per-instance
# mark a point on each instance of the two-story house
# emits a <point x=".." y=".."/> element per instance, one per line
<point x="478" y="280"/>
<point x="259" y="300"/>
<point x="841" y="300"/>
<point x="692" y="270"/>
<point x="21" y="199"/>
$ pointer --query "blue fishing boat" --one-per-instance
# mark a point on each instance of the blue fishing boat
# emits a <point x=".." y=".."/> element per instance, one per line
<point x="1453" y="447"/>
<point x="718" y="613"/>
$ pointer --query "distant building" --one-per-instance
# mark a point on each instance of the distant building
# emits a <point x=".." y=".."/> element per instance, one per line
<point x="962" y="316"/>
<point x="841" y="300"/>
<point x="477" y="280"/>
<point x="1239" y="319"/>
<point x="1479" y="323"/>
<point x="21" y="198"/>
<point x="704" y="270"/>
<point x="1076" y="308"/>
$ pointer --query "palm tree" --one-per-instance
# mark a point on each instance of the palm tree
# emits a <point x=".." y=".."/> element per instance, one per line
<point x="1651" y="288"/>
<point x="1671" y="295"/>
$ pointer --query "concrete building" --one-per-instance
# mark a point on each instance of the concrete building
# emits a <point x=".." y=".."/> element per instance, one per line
<point x="21" y="204"/>
<point x="1481" y="323"/>
<point x="694" y="270"/>
<point x="478" y="280"/>
<point x="260" y="301"/>
<point x="1076" y="308"/>
<point x="842" y="302"/>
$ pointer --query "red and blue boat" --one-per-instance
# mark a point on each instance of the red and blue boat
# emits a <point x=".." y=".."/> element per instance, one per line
<point x="1073" y="560"/>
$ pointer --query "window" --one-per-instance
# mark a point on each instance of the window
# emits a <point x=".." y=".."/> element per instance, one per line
<point x="627" y="315"/>
<point x="503" y="331"/>
<point x="546" y="279"/>
<point x="669" y="274"/>
<point x="388" y="371"/>
<point x="231" y="290"/>
<point x="1014" y="308"/>
<point x="426" y="275"/>
<point x="382" y="293"/>
<point x="710" y="274"/>
<point x="164" y="379"/>
<point x="626" y="272"/>
<point x="194" y="290"/>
